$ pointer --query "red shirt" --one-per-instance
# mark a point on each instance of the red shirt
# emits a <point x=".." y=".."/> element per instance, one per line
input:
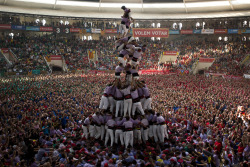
<point x="240" y="149"/>
<point x="217" y="146"/>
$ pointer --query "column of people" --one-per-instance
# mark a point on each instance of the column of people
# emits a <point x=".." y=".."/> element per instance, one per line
<point x="125" y="131"/>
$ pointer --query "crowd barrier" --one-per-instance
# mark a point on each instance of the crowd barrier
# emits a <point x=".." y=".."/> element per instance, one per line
<point x="246" y="76"/>
<point x="154" y="71"/>
<point x="224" y="75"/>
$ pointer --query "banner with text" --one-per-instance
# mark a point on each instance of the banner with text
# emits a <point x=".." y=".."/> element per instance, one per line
<point x="207" y="31"/>
<point x="233" y="31"/>
<point x="174" y="32"/>
<point x="111" y="31"/>
<point x="74" y="30"/>
<point x="5" y="26"/>
<point x="231" y="77"/>
<point x="96" y="31"/>
<point x="220" y="31"/>
<point x="206" y="60"/>
<point x="197" y="31"/>
<point x="151" y="32"/>
<point x="5" y="50"/>
<point x="55" y="57"/>
<point x="32" y="28"/>
<point x="245" y="31"/>
<point x="170" y="53"/>
<point x="88" y="30"/>
<point x="47" y="29"/>
<point x="16" y="27"/>
<point x="186" y="31"/>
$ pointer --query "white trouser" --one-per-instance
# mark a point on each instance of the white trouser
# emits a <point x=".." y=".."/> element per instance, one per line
<point x="161" y="132"/>
<point x="110" y="134"/>
<point x="85" y="132"/>
<point x="104" y="103"/>
<point x="155" y="127"/>
<point x="129" y="138"/>
<point x="119" y="134"/>
<point x="117" y="76"/>
<point x="119" y="107"/>
<point x="166" y="132"/>
<point x="131" y="39"/>
<point x="138" y="106"/>
<point x="102" y="131"/>
<point x="144" y="134"/>
<point x="134" y="63"/>
<point x="125" y="32"/>
<point x="127" y="107"/>
<point x="147" y="104"/>
<point x="123" y="29"/>
<point x="150" y="131"/>
<point x="129" y="78"/>
<point x="121" y="60"/>
<point x="120" y="47"/>
<point x="92" y="130"/>
<point x="142" y="102"/>
<point x="111" y="103"/>
<point x="98" y="132"/>
<point x="137" y="134"/>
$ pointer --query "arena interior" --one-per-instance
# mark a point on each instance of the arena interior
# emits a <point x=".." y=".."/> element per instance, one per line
<point x="124" y="83"/>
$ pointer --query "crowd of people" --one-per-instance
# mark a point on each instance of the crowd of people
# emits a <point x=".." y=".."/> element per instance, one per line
<point x="32" y="50"/>
<point x="42" y="122"/>
<point x="123" y="119"/>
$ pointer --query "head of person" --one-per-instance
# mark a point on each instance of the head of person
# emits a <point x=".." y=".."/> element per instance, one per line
<point x="123" y="7"/>
<point x="143" y="82"/>
<point x="110" y="84"/>
<point x="90" y="117"/>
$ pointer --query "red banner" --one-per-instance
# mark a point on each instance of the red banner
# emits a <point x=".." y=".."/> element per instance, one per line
<point x="186" y="31"/>
<point x="220" y="31"/>
<point x="216" y="74"/>
<point x="74" y="29"/>
<point x="170" y="53"/>
<point x="154" y="71"/>
<point x="232" y="77"/>
<point x="5" y="26"/>
<point x="55" y="57"/>
<point x="48" y="29"/>
<point x="150" y="72"/>
<point x="151" y="32"/>
<point x="111" y="31"/>
<point x="206" y="60"/>
<point x="96" y="72"/>
<point x="5" y="50"/>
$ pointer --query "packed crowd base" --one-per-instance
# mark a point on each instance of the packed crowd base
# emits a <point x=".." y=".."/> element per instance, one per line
<point x="42" y="122"/>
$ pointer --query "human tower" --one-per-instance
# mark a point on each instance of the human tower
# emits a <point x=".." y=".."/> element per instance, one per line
<point x="126" y="116"/>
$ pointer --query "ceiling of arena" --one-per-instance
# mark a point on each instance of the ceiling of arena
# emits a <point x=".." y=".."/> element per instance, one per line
<point x="152" y="9"/>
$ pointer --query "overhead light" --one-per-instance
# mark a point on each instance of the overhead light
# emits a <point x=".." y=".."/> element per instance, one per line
<point x="240" y="14"/>
<point x="119" y="5"/>
<point x="38" y="1"/>
<point x="77" y="3"/>
<point x="207" y="4"/>
<point x="163" y="5"/>
<point x="240" y="2"/>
